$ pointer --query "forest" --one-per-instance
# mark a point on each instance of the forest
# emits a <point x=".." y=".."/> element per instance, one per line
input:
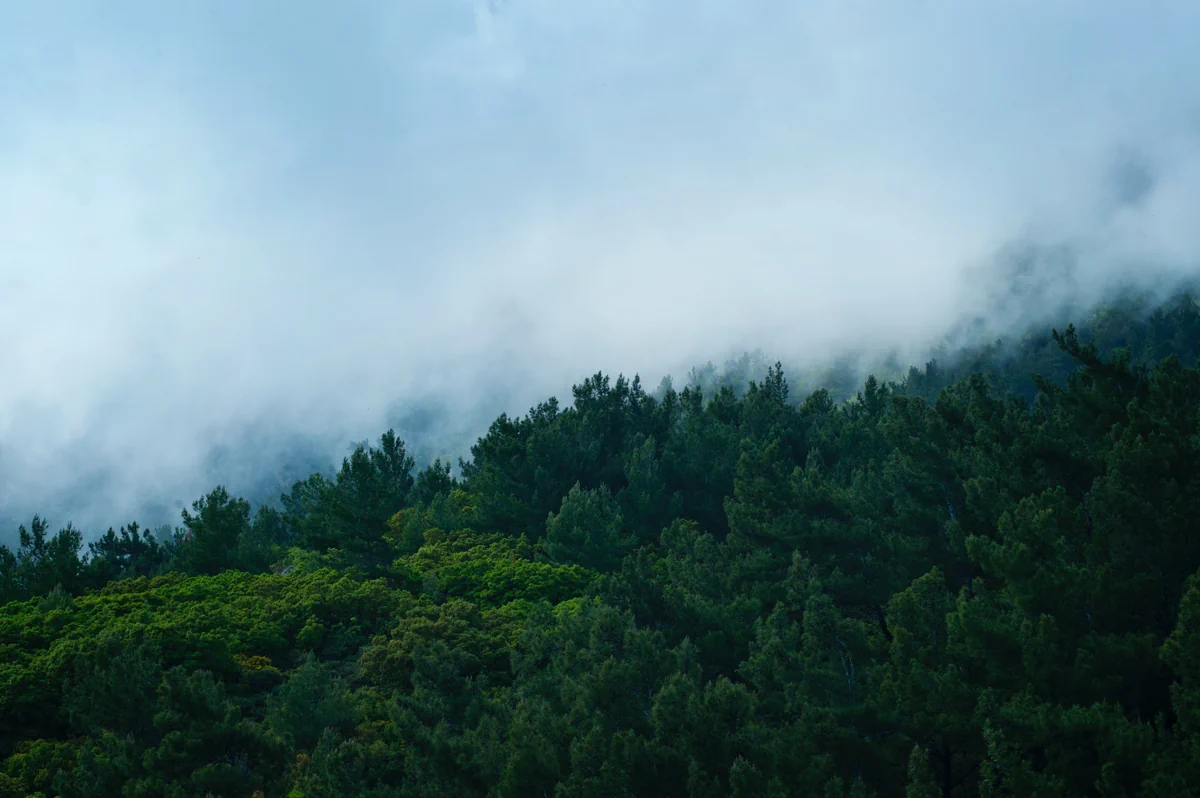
<point x="977" y="578"/>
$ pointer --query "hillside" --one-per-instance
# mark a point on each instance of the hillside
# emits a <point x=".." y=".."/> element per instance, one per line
<point x="975" y="578"/>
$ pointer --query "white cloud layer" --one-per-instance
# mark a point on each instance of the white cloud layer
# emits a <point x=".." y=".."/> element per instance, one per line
<point x="290" y="216"/>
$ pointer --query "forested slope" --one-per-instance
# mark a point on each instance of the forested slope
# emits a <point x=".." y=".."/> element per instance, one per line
<point x="970" y="582"/>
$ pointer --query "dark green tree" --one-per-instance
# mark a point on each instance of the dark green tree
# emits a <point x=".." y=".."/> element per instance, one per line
<point x="587" y="530"/>
<point x="212" y="534"/>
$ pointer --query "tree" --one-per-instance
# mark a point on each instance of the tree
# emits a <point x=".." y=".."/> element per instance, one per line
<point x="646" y="506"/>
<point x="371" y="487"/>
<point x="134" y="552"/>
<point x="113" y="687"/>
<point x="308" y="703"/>
<point x="431" y="482"/>
<point x="211" y="540"/>
<point x="41" y="562"/>
<point x="587" y="530"/>
<point x="920" y="777"/>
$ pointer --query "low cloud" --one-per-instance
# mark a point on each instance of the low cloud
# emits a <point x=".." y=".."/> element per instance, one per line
<point x="238" y="236"/>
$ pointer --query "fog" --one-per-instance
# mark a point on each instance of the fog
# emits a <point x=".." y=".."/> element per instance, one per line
<point x="235" y="237"/>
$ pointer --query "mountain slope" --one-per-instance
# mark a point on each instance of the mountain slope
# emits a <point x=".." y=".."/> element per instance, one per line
<point x="970" y="582"/>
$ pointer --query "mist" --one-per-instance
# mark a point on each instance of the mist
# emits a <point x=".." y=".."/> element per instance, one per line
<point x="234" y="238"/>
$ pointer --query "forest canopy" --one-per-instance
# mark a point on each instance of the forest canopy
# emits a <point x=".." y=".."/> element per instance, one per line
<point x="975" y="578"/>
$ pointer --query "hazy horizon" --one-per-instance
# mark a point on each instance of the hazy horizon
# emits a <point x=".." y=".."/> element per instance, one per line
<point x="289" y="221"/>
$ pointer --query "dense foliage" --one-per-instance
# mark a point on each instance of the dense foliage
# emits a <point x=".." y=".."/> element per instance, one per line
<point x="969" y="582"/>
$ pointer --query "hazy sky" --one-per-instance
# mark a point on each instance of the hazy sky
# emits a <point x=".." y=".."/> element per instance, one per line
<point x="294" y="214"/>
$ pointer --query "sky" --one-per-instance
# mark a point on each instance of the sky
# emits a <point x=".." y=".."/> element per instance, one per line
<point x="224" y="225"/>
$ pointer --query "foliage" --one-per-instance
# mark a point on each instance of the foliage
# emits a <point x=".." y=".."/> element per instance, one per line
<point x="972" y="582"/>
